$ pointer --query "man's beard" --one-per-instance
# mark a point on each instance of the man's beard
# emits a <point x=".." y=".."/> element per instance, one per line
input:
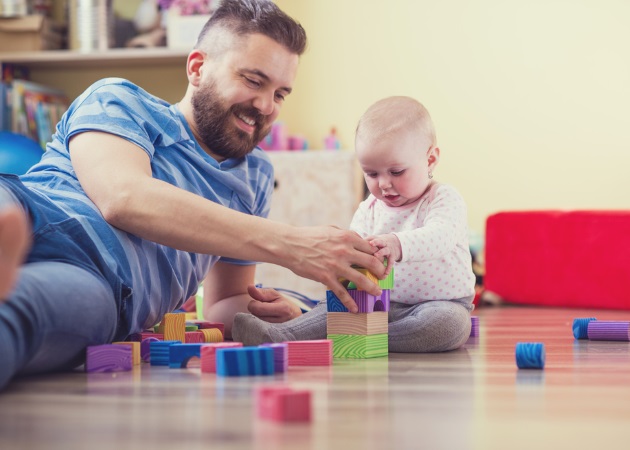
<point x="215" y="127"/>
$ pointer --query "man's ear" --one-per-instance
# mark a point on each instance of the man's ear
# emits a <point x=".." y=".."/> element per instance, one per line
<point x="194" y="66"/>
<point x="433" y="156"/>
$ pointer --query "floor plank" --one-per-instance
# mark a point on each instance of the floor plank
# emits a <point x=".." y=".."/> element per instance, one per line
<point x="472" y="398"/>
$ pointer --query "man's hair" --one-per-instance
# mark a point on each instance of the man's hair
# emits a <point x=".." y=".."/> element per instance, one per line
<point x="395" y="114"/>
<point x="245" y="17"/>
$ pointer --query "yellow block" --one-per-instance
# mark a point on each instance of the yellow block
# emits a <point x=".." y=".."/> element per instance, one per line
<point x="212" y="334"/>
<point x="174" y="327"/>
<point x="135" y="351"/>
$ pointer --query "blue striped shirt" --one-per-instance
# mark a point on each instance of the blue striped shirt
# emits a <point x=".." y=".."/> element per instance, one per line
<point x="160" y="277"/>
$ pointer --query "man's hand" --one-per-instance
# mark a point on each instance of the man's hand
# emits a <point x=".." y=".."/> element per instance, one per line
<point x="387" y="246"/>
<point x="327" y="254"/>
<point x="271" y="306"/>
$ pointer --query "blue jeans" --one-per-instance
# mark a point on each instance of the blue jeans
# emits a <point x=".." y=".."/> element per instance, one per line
<point x="64" y="299"/>
<point x="55" y="311"/>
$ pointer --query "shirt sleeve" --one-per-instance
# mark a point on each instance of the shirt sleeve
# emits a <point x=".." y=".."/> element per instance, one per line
<point x="440" y="233"/>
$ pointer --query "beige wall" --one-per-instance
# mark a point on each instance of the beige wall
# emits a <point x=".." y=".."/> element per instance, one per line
<point x="530" y="98"/>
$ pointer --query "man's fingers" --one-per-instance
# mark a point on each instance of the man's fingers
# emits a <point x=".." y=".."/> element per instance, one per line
<point x="344" y="297"/>
<point x="262" y="294"/>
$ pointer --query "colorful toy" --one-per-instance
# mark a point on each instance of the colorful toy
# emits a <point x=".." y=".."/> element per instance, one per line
<point x="310" y="353"/>
<point x="530" y="355"/>
<point x="244" y="361"/>
<point x="283" y="404"/>
<point x="363" y="334"/>
<point x="180" y="354"/>
<point x="135" y="350"/>
<point x="108" y="358"/>
<point x="580" y="327"/>
<point x="280" y="356"/>
<point x="604" y="330"/>
<point x="208" y="355"/>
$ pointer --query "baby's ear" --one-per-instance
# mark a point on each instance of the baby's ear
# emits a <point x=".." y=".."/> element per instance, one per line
<point x="433" y="155"/>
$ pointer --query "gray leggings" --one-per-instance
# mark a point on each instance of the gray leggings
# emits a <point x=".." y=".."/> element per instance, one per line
<point x="433" y="326"/>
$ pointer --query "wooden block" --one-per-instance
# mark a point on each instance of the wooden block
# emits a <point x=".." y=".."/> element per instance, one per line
<point x="147" y="334"/>
<point x="108" y="358"/>
<point x="365" y="272"/>
<point x="174" y="327"/>
<point x="367" y="303"/>
<point x="360" y="323"/>
<point x="180" y="354"/>
<point x="208" y="355"/>
<point x="160" y="354"/>
<point x="280" y="356"/>
<point x="388" y="282"/>
<point x="135" y="351"/>
<point x="310" y="353"/>
<point x="212" y="334"/>
<point x="195" y="337"/>
<point x="244" y="361"/>
<point x="283" y="404"/>
<point x="359" y="347"/>
<point x="145" y="348"/>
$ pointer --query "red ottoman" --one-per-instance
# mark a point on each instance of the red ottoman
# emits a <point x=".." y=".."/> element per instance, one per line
<point x="559" y="258"/>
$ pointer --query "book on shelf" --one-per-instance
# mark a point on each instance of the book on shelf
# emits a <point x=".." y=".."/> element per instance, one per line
<point x="32" y="109"/>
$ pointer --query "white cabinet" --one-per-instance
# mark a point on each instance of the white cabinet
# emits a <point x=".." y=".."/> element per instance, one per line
<point x="314" y="187"/>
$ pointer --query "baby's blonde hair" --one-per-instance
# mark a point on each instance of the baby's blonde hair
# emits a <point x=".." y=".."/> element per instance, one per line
<point x="395" y="114"/>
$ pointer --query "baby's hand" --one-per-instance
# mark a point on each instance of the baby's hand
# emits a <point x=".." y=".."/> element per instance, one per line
<point x="386" y="246"/>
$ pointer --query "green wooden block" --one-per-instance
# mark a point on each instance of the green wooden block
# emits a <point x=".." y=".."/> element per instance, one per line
<point x="359" y="346"/>
<point x="387" y="283"/>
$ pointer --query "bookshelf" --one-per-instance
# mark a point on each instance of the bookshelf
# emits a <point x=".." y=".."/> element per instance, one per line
<point x="159" y="70"/>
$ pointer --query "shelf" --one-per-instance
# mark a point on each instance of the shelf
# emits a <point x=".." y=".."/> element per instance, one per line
<point x="60" y="59"/>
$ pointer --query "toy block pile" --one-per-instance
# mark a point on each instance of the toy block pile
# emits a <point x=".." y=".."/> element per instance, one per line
<point x="364" y="334"/>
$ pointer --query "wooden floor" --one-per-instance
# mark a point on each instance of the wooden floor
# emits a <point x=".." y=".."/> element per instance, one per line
<point x="473" y="398"/>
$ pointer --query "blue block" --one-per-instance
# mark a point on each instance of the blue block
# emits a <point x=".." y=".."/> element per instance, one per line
<point x="244" y="361"/>
<point x="333" y="303"/>
<point x="180" y="354"/>
<point x="160" y="353"/>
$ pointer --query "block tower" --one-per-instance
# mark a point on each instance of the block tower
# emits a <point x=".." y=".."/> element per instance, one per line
<point x="364" y="334"/>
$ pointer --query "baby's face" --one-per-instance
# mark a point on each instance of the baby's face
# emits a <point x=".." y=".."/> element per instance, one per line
<point x="396" y="167"/>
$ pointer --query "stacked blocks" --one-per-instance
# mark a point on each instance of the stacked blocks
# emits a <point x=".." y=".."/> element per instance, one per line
<point x="364" y="334"/>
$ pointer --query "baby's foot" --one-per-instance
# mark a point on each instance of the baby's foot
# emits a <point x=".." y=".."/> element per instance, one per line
<point x="14" y="243"/>
<point x="250" y="330"/>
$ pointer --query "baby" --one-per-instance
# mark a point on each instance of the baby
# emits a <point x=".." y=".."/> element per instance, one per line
<point x="416" y="223"/>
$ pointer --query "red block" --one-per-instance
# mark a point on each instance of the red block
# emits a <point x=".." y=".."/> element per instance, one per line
<point x="209" y="357"/>
<point x="310" y="353"/>
<point x="283" y="404"/>
<point x="560" y="258"/>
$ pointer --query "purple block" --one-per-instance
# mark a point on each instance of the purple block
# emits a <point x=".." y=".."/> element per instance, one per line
<point x="368" y="303"/>
<point x="602" y="330"/>
<point x="108" y="358"/>
<point x="280" y="356"/>
<point x="145" y="348"/>
<point x="474" y="326"/>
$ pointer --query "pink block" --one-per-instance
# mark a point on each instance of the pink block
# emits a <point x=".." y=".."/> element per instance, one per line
<point x="283" y="404"/>
<point x="310" y="353"/>
<point x="194" y="337"/>
<point x="208" y="354"/>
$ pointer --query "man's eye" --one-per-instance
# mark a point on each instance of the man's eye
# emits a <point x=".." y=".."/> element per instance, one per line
<point x="252" y="82"/>
<point x="280" y="97"/>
